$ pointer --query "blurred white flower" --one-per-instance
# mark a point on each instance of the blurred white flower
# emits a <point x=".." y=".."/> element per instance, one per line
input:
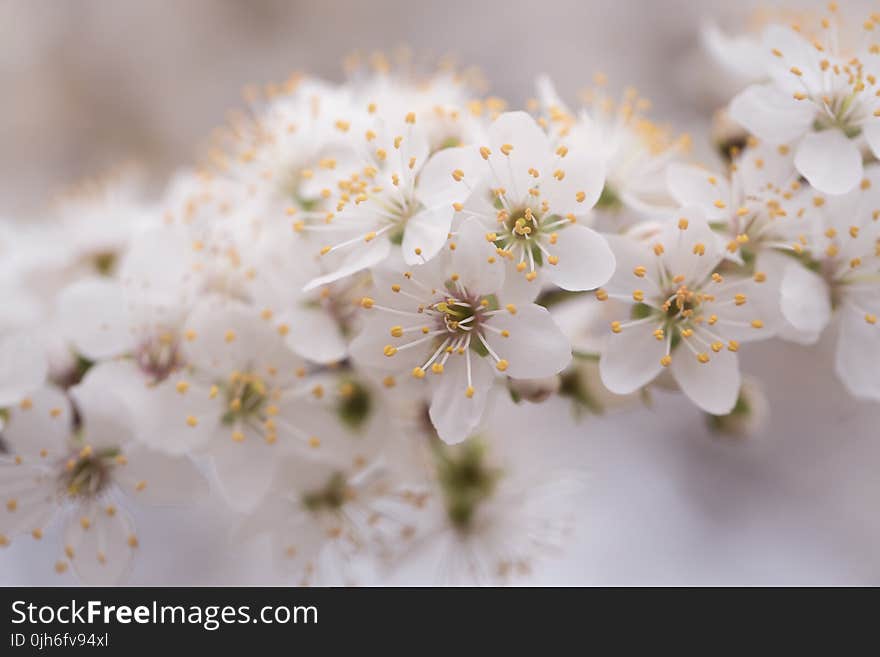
<point x="633" y="150"/>
<point x="74" y="459"/>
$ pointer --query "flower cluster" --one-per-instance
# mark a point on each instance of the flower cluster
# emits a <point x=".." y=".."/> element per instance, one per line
<point x="328" y="326"/>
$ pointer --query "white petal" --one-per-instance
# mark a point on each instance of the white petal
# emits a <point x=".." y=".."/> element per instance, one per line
<point x="101" y="544"/>
<point x="23" y="367"/>
<point x="455" y="415"/>
<point x="581" y="185"/>
<point x="693" y="251"/>
<point x="475" y="260"/>
<point x="94" y="318"/>
<point x="352" y="260"/>
<point x="105" y="413"/>
<point x="244" y="470"/>
<point x="436" y="185"/>
<point x="158" y="478"/>
<point x="858" y="353"/>
<point x="629" y="254"/>
<point x="535" y="347"/>
<point x="531" y="149"/>
<point x="713" y="386"/>
<point x="805" y="299"/>
<point x="178" y="423"/>
<point x="871" y="130"/>
<point x="691" y="185"/>
<point x="315" y="335"/>
<point x="631" y="359"/>
<point x="43" y="421"/>
<point x="426" y="233"/>
<point x="829" y="161"/>
<point x="585" y="259"/>
<point x="771" y="114"/>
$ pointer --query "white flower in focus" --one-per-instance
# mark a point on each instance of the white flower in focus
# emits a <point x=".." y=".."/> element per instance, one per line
<point x="821" y="99"/>
<point x="402" y="195"/>
<point x="842" y="278"/>
<point x="682" y="314"/>
<point x="450" y="321"/>
<point x="84" y="468"/>
<point x="530" y="201"/>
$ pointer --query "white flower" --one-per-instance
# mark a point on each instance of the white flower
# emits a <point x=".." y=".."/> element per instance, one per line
<point x="683" y="314"/>
<point x="633" y="150"/>
<point x="821" y="99"/>
<point x="23" y="367"/>
<point x="402" y="195"/>
<point x="340" y="508"/>
<point x="85" y="469"/>
<point x="751" y="207"/>
<point x="530" y="200"/>
<point x="842" y="277"/>
<point x="499" y="505"/>
<point x="451" y="321"/>
<point x="241" y="400"/>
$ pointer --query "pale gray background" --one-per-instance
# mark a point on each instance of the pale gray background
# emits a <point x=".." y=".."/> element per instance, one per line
<point x="90" y="83"/>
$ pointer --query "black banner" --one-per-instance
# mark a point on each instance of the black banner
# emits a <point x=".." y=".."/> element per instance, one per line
<point x="263" y="620"/>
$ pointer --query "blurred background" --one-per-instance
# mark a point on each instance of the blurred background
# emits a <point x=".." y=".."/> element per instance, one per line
<point x="91" y="84"/>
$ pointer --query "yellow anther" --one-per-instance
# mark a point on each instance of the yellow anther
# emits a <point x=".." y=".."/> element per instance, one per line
<point x="485" y="152"/>
<point x="506" y="149"/>
<point x="510" y="308"/>
<point x="666" y="360"/>
<point x="396" y="331"/>
<point x="703" y="357"/>
<point x="469" y="392"/>
<point x="192" y="420"/>
<point x="640" y="271"/>
<point x="616" y="327"/>
<point x="638" y="295"/>
<point x="367" y="303"/>
<point x="237" y="437"/>
<point x="437" y="368"/>
<point x="457" y="175"/>
<point x="739" y="299"/>
<point x="682" y="223"/>
<point x="501" y="365"/>
<point x="757" y="323"/>
<point x="418" y="373"/>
